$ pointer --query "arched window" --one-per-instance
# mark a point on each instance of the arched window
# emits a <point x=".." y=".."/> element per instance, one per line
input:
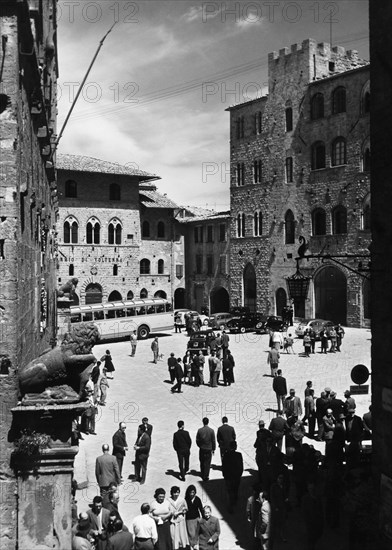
<point x="71" y="189"/>
<point x="339" y="220"/>
<point x="317" y="106"/>
<point x="289" y="118"/>
<point x="365" y="99"/>
<point x="289" y="169"/>
<point x="161" y="267"/>
<point x="146" y="229"/>
<point x="114" y="192"/>
<point x="289" y="227"/>
<point x="129" y="295"/>
<point x="319" y="222"/>
<point x="318" y="155"/>
<point x="114" y="296"/>
<point x="240" y="225"/>
<point x="366" y="212"/>
<point x="93" y="229"/>
<point x="240" y="173"/>
<point x="338" y="155"/>
<point x="145" y="267"/>
<point x="160" y="294"/>
<point x="115" y="270"/>
<point x="114" y="231"/>
<point x="257" y="166"/>
<point x="339" y="100"/>
<point x="257" y="224"/>
<point x="71" y="270"/>
<point x="365" y="160"/>
<point x="143" y="293"/>
<point x="161" y="230"/>
<point x="71" y="230"/>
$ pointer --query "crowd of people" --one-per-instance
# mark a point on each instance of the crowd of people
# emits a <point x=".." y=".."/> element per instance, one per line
<point x="178" y="522"/>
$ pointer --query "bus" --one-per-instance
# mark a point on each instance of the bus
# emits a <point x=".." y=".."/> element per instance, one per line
<point x="119" y="319"/>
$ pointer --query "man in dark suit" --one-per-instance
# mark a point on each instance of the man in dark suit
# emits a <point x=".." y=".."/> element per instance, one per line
<point x="99" y="521"/>
<point x="121" y="540"/>
<point x="171" y="365"/>
<point x="205" y="440"/>
<point x="120" y="445"/>
<point x="279" y="386"/>
<point x="106" y="470"/>
<point x="232" y="468"/>
<point x="142" y="452"/>
<point x="182" y="445"/>
<point x="224" y="436"/>
<point x="144" y="427"/>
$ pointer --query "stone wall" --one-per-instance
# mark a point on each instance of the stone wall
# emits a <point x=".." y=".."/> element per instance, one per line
<point x="28" y="215"/>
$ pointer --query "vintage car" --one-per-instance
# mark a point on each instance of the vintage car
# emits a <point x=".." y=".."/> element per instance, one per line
<point x="218" y="321"/>
<point x="200" y="341"/>
<point x="316" y="324"/>
<point x="270" y="322"/>
<point x="243" y="323"/>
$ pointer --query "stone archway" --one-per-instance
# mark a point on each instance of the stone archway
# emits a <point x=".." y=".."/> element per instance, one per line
<point x="330" y="290"/>
<point x="93" y="294"/>
<point x="160" y="294"/>
<point x="281" y="300"/>
<point x="249" y="286"/>
<point x="219" y="300"/>
<point x="179" y="298"/>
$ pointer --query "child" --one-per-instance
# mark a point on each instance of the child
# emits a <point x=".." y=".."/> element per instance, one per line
<point x="107" y="358"/>
<point x="103" y="385"/>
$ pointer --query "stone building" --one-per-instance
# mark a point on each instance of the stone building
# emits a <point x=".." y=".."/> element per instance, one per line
<point x="117" y="235"/>
<point x="207" y="244"/>
<point x="27" y="225"/>
<point x="300" y="161"/>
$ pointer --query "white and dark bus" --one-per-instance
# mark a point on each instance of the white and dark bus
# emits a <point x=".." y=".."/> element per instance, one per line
<point x="119" y="319"/>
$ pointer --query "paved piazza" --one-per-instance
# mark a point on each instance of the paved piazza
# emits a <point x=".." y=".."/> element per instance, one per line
<point x="140" y="388"/>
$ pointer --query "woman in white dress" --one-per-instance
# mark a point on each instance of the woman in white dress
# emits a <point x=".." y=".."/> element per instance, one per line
<point x="178" y="528"/>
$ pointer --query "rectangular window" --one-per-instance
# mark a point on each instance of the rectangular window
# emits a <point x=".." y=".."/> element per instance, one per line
<point x="258" y="122"/>
<point x="222" y="232"/>
<point x="179" y="271"/>
<point x="289" y="119"/>
<point x="240" y="127"/>
<point x="199" y="264"/>
<point x="210" y="233"/>
<point x="223" y="264"/>
<point x="210" y="265"/>
<point x="289" y="169"/>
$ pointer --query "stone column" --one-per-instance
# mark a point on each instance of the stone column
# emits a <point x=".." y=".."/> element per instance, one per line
<point x="44" y="480"/>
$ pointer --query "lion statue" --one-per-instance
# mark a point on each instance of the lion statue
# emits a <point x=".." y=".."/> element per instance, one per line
<point x="67" y="290"/>
<point x="68" y="364"/>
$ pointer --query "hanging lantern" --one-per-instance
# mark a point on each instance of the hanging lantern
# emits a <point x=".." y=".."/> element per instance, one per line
<point x="298" y="285"/>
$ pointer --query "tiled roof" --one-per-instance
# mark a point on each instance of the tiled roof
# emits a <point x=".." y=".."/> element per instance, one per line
<point x="191" y="211"/>
<point x="212" y="216"/>
<point x="78" y="163"/>
<point x="153" y="199"/>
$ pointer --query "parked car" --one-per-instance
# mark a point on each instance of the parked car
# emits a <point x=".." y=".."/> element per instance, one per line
<point x="218" y="321"/>
<point x="242" y="323"/>
<point x="237" y="311"/>
<point x="315" y="324"/>
<point x="270" y="322"/>
<point x="200" y="341"/>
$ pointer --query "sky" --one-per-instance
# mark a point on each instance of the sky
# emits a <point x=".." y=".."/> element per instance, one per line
<point x="156" y="95"/>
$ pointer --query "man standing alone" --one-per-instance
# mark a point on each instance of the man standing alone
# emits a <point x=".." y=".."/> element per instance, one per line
<point x="182" y="445"/>
<point x="225" y="435"/>
<point x="280" y="388"/>
<point x="133" y="340"/>
<point x="155" y="349"/>
<point x="106" y="470"/>
<point x="205" y="440"/>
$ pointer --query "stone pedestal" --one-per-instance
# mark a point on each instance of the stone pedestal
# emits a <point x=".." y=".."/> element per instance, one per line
<point x="44" y="482"/>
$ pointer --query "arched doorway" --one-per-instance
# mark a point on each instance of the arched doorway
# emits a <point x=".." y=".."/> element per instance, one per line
<point x="179" y="298"/>
<point x="114" y="296"/>
<point x="249" y="286"/>
<point x="93" y="294"/>
<point x="330" y="289"/>
<point x="160" y="294"/>
<point x="220" y="300"/>
<point x="281" y="300"/>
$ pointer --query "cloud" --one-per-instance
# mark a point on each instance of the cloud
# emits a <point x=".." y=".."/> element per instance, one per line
<point x="248" y="21"/>
<point x="202" y="13"/>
